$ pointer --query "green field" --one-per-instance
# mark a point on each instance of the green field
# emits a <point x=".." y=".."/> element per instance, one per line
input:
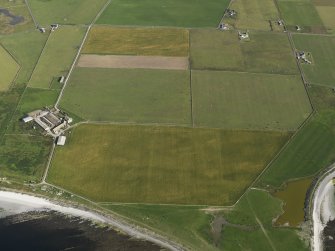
<point x="137" y="41"/>
<point x="17" y="45"/>
<point x="311" y="150"/>
<point x="257" y="210"/>
<point x="162" y="164"/>
<point x="129" y="95"/>
<point x="266" y="52"/>
<point x="186" y="13"/>
<point x="187" y="225"/>
<point x="322" y="49"/>
<point x="9" y="68"/>
<point x="57" y="56"/>
<point x="253" y="14"/>
<point x="65" y="12"/>
<point x="302" y="13"/>
<point x="26" y="162"/>
<point x="191" y="225"/>
<point x="17" y="9"/>
<point x="327" y="15"/>
<point x="248" y="101"/>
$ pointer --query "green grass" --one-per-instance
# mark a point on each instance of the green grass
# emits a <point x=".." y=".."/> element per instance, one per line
<point x="9" y="68"/>
<point x="302" y="13"/>
<point x="137" y="41"/>
<point x="17" y="9"/>
<point x="327" y="15"/>
<point x="24" y="157"/>
<point x="186" y="13"/>
<point x="187" y="225"/>
<point x="57" y="56"/>
<point x="17" y="45"/>
<point x="266" y="52"/>
<point x="311" y="150"/>
<point x="322" y="49"/>
<point x="248" y="101"/>
<point x="253" y="14"/>
<point x="162" y="164"/>
<point x="48" y="12"/>
<point x="129" y="95"/>
<point x="262" y="205"/>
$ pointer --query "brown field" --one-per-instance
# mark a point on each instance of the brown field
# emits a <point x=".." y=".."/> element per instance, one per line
<point x="133" y="62"/>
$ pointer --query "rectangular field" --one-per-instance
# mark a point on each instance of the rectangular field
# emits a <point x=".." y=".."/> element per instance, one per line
<point x="138" y="62"/>
<point x="248" y="101"/>
<point x="137" y="41"/>
<point x="162" y="164"/>
<point x="181" y="13"/>
<point x="253" y="14"/>
<point x="57" y="56"/>
<point x="322" y="49"/>
<point x="65" y="12"/>
<point x="15" y="17"/>
<point x="129" y="95"/>
<point x="265" y="52"/>
<point x="9" y="68"/>
<point x="302" y="13"/>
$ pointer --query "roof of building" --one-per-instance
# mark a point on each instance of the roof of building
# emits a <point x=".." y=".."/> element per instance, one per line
<point x="61" y="140"/>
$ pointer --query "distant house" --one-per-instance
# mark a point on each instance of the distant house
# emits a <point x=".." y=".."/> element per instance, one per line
<point x="223" y="27"/>
<point x="42" y="30"/>
<point x="243" y="35"/>
<point x="61" y="79"/>
<point x="54" y="27"/>
<point x="61" y="140"/>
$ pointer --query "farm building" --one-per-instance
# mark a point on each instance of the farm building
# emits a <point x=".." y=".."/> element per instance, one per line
<point x="27" y="119"/>
<point x="61" y="140"/>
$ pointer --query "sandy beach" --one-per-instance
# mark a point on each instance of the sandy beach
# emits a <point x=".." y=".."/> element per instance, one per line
<point x="15" y="203"/>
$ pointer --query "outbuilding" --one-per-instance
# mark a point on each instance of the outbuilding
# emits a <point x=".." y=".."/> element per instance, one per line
<point x="61" y="140"/>
<point x="27" y="119"/>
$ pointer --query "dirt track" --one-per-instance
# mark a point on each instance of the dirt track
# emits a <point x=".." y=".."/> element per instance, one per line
<point x="144" y="62"/>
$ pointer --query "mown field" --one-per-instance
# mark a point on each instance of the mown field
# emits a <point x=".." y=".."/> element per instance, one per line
<point x="137" y="41"/>
<point x="129" y="95"/>
<point x="253" y="14"/>
<point x="65" y="12"/>
<point x="186" y="13"/>
<point x="162" y="164"/>
<point x="312" y="148"/>
<point x="57" y="56"/>
<point x="17" y="45"/>
<point x="322" y="49"/>
<point x="248" y="101"/>
<point x="9" y="68"/>
<point x="266" y="52"/>
<point x="19" y="10"/>
<point x="302" y="13"/>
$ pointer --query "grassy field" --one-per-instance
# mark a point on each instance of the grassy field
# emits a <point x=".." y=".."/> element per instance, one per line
<point x="9" y="68"/>
<point x="129" y="95"/>
<point x="312" y="149"/>
<point x="327" y="15"/>
<point x="68" y="12"/>
<point x="26" y="162"/>
<point x="187" y="225"/>
<point x="248" y="101"/>
<point x="262" y="206"/>
<point x="137" y="41"/>
<point x="17" y="9"/>
<point x="191" y="225"/>
<point x="302" y="13"/>
<point x="17" y="45"/>
<point x="322" y="49"/>
<point x="57" y="55"/>
<point x="253" y="14"/>
<point x="162" y="164"/>
<point x="186" y="13"/>
<point x="266" y="52"/>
